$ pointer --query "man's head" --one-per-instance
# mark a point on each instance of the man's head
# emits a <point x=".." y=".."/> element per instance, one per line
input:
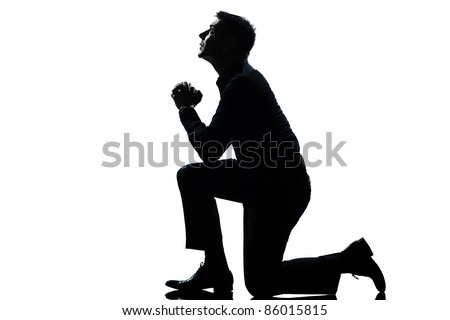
<point x="228" y="35"/>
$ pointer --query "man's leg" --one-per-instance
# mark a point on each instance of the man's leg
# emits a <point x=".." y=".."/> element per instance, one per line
<point x="268" y="221"/>
<point x="199" y="185"/>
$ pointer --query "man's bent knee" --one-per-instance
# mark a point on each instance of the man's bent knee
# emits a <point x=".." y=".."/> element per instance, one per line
<point x="260" y="288"/>
<point x="261" y="283"/>
<point x="186" y="173"/>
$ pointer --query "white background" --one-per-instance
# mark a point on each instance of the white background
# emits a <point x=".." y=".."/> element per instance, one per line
<point x="80" y="241"/>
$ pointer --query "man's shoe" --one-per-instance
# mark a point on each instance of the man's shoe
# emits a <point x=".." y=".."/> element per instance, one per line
<point x="357" y="259"/>
<point x="205" y="278"/>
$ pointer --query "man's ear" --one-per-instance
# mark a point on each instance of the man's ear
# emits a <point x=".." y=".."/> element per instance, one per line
<point x="229" y="44"/>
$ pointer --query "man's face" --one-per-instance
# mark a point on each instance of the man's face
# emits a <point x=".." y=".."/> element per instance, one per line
<point x="212" y="41"/>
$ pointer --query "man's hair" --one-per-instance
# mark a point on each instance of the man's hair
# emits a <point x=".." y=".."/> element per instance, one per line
<point x="240" y="29"/>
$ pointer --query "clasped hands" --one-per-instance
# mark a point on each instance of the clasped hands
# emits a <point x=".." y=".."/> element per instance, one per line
<point x="184" y="94"/>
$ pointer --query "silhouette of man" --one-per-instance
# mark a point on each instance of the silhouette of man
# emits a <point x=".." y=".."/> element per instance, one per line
<point x="268" y="177"/>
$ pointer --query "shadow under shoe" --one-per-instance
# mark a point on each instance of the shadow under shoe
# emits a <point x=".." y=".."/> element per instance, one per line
<point x="357" y="258"/>
<point x="205" y="278"/>
<point x="305" y="297"/>
<point x="198" y="295"/>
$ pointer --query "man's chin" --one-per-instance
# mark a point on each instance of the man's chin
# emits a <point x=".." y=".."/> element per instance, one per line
<point x="201" y="55"/>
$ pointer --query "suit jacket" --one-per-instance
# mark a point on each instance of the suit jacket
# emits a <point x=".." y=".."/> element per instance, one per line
<point x="249" y="118"/>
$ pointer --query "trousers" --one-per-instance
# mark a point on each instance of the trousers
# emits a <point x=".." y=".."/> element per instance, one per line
<point x="273" y="202"/>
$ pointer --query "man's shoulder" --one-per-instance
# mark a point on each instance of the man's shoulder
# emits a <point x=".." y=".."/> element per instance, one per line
<point x="247" y="76"/>
<point x="251" y="80"/>
<point x="240" y="78"/>
<point x="239" y="81"/>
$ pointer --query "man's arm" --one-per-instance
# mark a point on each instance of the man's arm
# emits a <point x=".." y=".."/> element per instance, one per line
<point x="211" y="141"/>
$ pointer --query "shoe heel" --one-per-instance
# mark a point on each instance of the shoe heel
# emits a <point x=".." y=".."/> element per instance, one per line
<point x="364" y="248"/>
<point x="225" y="286"/>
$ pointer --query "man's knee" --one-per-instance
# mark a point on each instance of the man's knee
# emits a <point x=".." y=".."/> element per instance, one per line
<point x="261" y="282"/>
<point x="185" y="174"/>
<point x="261" y="287"/>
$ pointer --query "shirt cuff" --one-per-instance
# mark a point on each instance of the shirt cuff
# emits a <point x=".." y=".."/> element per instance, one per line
<point x="184" y="108"/>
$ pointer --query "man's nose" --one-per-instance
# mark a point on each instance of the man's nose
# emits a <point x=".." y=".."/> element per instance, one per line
<point x="203" y="34"/>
